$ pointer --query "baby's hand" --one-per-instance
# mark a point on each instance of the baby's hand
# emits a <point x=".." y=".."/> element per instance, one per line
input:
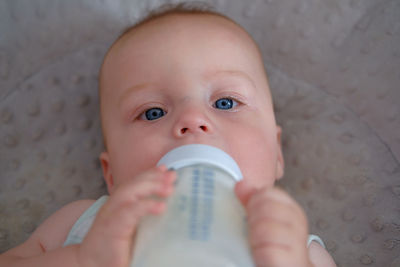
<point x="278" y="228"/>
<point x="109" y="242"/>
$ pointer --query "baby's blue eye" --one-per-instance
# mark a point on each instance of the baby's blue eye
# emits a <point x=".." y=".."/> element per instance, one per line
<point x="225" y="103"/>
<point x="154" y="114"/>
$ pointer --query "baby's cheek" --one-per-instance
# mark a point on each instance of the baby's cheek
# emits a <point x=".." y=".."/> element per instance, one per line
<point x="257" y="158"/>
<point x="259" y="173"/>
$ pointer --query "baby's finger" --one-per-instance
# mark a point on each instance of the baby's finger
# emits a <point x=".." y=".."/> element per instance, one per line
<point x="268" y="233"/>
<point x="244" y="191"/>
<point x="154" y="182"/>
<point x="274" y="244"/>
<point x="273" y="193"/>
<point x="120" y="222"/>
<point x="271" y="210"/>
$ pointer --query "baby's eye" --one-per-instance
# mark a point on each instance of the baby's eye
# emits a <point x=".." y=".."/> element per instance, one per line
<point x="225" y="103"/>
<point x="153" y="114"/>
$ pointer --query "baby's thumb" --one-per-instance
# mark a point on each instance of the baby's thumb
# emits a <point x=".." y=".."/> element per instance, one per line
<point x="243" y="191"/>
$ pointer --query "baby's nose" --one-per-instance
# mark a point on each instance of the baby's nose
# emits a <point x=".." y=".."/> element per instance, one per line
<point x="199" y="128"/>
<point x="192" y="121"/>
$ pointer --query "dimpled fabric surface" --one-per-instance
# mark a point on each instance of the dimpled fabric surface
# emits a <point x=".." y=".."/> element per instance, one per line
<point x="334" y="70"/>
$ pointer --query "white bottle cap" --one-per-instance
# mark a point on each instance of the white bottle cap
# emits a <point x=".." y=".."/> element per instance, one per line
<point x="197" y="154"/>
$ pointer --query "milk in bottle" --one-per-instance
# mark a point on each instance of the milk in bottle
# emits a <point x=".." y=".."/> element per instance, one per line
<point x="204" y="224"/>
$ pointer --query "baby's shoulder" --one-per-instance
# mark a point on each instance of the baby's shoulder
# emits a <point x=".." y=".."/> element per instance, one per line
<point x="52" y="233"/>
<point x="54" y="230"/>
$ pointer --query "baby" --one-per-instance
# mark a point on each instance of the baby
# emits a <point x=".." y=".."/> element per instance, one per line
<point x="181" y="76"/>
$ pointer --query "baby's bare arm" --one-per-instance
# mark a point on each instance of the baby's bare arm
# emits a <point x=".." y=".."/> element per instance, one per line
<point x="44" y="246"/>
<point x="109" y="241"/>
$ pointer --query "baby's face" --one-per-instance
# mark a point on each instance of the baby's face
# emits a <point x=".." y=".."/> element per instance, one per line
<point x="182" y="80"/>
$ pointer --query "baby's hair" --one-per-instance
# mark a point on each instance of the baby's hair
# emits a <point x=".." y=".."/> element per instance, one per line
<point x="183" y="8"/>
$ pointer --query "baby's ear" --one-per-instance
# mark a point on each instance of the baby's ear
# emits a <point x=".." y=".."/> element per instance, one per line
<point x="105" y="164"/>
<point x="280" y="163"/>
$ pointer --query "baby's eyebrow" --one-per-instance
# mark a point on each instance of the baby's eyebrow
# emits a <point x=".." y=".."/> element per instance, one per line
<point x="232" y="73"/>
<point x="136" y="88"/>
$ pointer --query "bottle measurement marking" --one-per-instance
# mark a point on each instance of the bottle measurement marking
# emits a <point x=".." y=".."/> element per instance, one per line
<point x="202" y="204"/>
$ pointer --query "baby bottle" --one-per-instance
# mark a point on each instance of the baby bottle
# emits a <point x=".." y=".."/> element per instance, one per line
<point x="204" y="223"/>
